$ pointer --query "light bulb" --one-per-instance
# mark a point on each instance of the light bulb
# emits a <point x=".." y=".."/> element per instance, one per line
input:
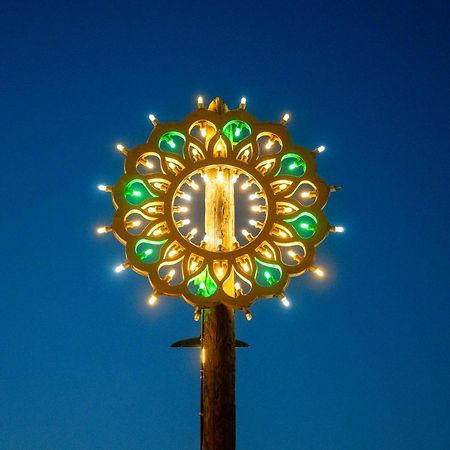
<point x="104" y="188"/>
<point x="103" y="230"/>
<point x="153" y="299"/>
<point x="252" y="222"/>
<point x="267" y="254"/>
<point x="147" y="164"/>
<point x="220" y="272"/>
<point x="245" y="185"/>
<point x="171" y="273"/>
<point x="185" y="196"/>
<point x="183" y="209"/>
<point x="205" y="177"/>
<point x="122" y="149"/>
<point x="237" y="285"/>
<point x="237" y="132"/>
<point x="337" y="229"/>
<point x="220" y="176"/>
<point x="194" y="231"/>
<point x="247" y="313"/>
<point x="285" y="301"/>
<point x="269" y="143"/>
<point x="203" y="131"/>
<point x="292" y="254"/>
<point x="305" y="194"/>
<point x="200" y="102"/>
<point x="317" y="271"/>
<point x="153" y="119"/>
<point x="319" y="149"/>
<point x="171" y="143"/>
<point x="121" y="267"/>
<point x="186" y="222"/>
<point x="234" y="178"/>
<point x="246" y="267"/>
<point x="253" y="196"/>
<point x="172" y="253"/>
<point x="197" y="313"/>
<point x="245" y="232"/>
<point x="243" y="103"/>
<point x="286" y="117"/>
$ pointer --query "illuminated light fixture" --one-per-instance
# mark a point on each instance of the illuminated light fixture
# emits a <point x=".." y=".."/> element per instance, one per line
<point x="238" y="289"/>
<point x="205" y="240"/>
<point x="256" y="223"/>
<point x="247" y="235"/>
<point x="285" y="119"/>
<point x="319" y="149"/>
<point x="269" y="143"/>
<point x="146" y="163"/>
<point x="200" y="103"/>
<point x="308" y="194"/>
<point x="122" y="149"/>
<point x="246" y="267"/>
<point x="103" y="230"/>
<point x="153" y="299"/>
<point x="172" y="253"/>
<point x="191" y="234"/>
<point x="153" y="119"/>
<point x="247" y="313"/>
<point x="168" y="278"/>
<point x="317" y="271"/>
<point x="193" y="266"/>
<point x="193" y="184"/>
<point x="268" y="254"/>
<point x="255" y="195"/>
<point x="337" y="229"/>
<point x="203" y="130"/>
<point x="235" y="177"/>
<point x="259" y="208"/>
<point x="133" y="223"/>
<point x="284" y="300"/>
<point x="220" y="176"/>
<point x="205" y="177"/>
<point x="243" y="103"/>
<point x="122" y="267"/>
<point x="220" y="272"/>
<point x="197" y="313"/>
<point x="183" y="223"/>
<point x="104" y="188"/>
<point x="180" y="209"/>
<point x="184" y="195"/>
<point x="171" y="143"/>
<point x="245" y="185"/>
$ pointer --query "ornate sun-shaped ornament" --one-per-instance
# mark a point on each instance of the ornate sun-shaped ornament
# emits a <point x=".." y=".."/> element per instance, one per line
<point x="220" y="208"/>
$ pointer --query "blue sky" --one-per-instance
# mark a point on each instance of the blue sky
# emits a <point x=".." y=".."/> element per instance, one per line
<point x="360" y="361"/>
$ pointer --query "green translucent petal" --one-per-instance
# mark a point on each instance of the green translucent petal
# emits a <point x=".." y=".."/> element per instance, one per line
<point x="267" y="274"/>
<point x="136" y="192"/>
<point x="304" y="224"/>
<point x="149" y="251"/>
<point x="203" y="284"/>
<point x="292" y="165"/>
<point x="172" y="142"/>
<point x="236" y="131"/>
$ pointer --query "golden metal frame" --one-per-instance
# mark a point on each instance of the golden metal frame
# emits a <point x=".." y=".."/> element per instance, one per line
<point x="277" y="190"/>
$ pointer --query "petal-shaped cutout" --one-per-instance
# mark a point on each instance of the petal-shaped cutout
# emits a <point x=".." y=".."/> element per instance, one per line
<point x="292" y="254"/>
<point x="149" y="251"/>
<point x="136" y="222"/>
<point x="136" y="192"/>
<point x="195" y="152"/>
<point x="292" y="165"/>
<point x="304" y="224"/>
<point x="174" y="165"/>
<point x="266" y="166"/>
<point x="246" y="153"/>
<point x="281" y="232"/>
<point x="284" y="208"/>
<point x="236" y="131"/>
<point x="149" y="163"/>
<point x="172" y="272"/>
<point x="244" y="263"/>
<point x="220" y="149"/>
<point x="202" y="285"/>
<point x="201" y="129"/>
<point x="220" y="268"/>
<point x="174" y="251"/>
<point x="159" y="184"/>
<point x="267" y="274"/>
<point x="266" y="251"/>
<point x="242" y="285"/>
<point x="172" y="142"/>
<point x="279" y="186"/>
<point x="305" y="193"/>
<point x="269" y="144"/>
<point x="195" y="263"/>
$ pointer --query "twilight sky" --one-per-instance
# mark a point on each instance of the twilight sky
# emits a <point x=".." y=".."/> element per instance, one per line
<point x="361" y="359"/>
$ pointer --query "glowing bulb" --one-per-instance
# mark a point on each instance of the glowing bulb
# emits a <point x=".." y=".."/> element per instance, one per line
<point x="246" y="267"/>
<point x="157" y="232"/>
<point x="185" y="196"/>
<point x="253" y="196"/>
<point x="243" y="103"/>
<point x="121" y="267"/>
<point x="197" y="313"/>
<point x="148" y="252"/>
<point x="194" y="185"/>
<point x="104" y="188"/>
<point x="305" y="194"/>
<point x="171" y="273"/>
<point x="194" y="231"/>
<point x="269" y="144"/>
<point x="171" y="143"/>
<point x="103" y="230"/>
<point x="122" y="148"/>
<point x="183" y="209"/>
<point x="205" y="177"/>
<point x="172" y="165"/>
<point x="237" y="285"/>
<point x="267" y="254"/>
<point x="288" y="209"/>
<point x="234" y="178"/>
<point x="135" y="193"/>
<point x="172" y="253"/>
<point x="220" y="176"/>
<point x="267" y="166"/>
<point x="247" y="313"/>
<point x="193" y="266"/>
<point x="320" y="149"/>
<point x="153" y="119"/>
<point x="203" y="131"/>
<point x="237" y="132"/>
<point x="186" y="222"/>
<point x="135" y="223"/>
<point x="200" y="102"/>
<point x="317" y="271"/>
<point x="245" y="232"/>
<point x="245" y="185"/>
<point x="285" y="117"/>
<point x="285" y="301"/>
<point x="292" y="254"/>
<point x="252" y="222"/>
<point x="147" y="164"/>
<point x="220" y="272"/>
<point x="337" y="229"/>
<point x="153" y="299"/>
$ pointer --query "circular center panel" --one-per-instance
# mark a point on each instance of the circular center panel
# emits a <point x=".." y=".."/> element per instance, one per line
<point x="250" y="204"/>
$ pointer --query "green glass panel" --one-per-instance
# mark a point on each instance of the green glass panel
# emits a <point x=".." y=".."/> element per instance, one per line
<point x="236" y="131"/>
<point x="172" y="142"/>
<point x="267" y="274"/>
<point x="136" y="192"/>
<point x="304" y="224"/>
<point x="149" y="251"/>
<point x="203" y="285"/>
<point x="292" y="165"/>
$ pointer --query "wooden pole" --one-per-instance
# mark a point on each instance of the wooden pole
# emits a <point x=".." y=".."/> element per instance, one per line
<point x="218" y="340"/>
